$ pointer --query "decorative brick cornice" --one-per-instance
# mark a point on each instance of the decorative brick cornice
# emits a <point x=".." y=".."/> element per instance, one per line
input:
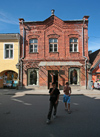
<point x="33" y="36"/>
<point x="74" y="35"/>
<point x="53" y="36"/>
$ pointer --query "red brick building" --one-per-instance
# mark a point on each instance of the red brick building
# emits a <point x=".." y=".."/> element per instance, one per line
<point x="53" y="50"/>
<point x="95" y="65"/>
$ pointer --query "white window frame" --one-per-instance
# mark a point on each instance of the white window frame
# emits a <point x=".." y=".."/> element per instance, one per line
<point x="33" y="46"/>
<point x="53" y="43"/>
<point x="73" y="44"/>
<point x="4" y="50"/>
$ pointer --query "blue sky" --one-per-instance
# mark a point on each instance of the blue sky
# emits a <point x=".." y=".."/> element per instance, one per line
<point x="39" y="10"/>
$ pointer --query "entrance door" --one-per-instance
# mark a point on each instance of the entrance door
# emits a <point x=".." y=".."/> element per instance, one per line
<point x="52" y="77"/>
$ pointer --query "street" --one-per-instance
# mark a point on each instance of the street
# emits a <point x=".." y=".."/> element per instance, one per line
<point x="25" y="116"/>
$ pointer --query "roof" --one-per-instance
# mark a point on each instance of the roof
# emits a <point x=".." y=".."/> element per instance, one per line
<point x="9" y="36"/>
<point x="93" y="55"/>
<point x="76" y="20"/>
<point x="97" y="63"/>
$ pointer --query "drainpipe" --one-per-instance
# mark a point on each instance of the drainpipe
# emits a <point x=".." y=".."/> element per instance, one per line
<point x="83" y="53"/>
<point x="18" y="52"/>
<point x="22" y="56"/>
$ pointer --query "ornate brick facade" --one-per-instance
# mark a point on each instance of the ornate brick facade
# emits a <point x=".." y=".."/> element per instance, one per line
<point x="57" y="66"/>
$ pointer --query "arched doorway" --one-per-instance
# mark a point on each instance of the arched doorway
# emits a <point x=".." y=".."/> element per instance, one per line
<point x="33" y="77"/>
<point x="74" y="76"/>
<point x="9" y="79"/>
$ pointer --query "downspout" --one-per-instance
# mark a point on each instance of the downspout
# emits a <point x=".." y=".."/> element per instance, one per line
<point x="18" y="53"/>
<point x="22" y="56"/>
<point x="83" y="53"/>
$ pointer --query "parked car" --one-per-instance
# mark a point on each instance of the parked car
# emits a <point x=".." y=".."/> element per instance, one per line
<point x="97" y="85"/>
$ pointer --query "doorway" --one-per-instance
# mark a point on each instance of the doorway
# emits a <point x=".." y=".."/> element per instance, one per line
<point x="74" y="76"/>
<point x="32" y="76"/>
<point x="52" y="77"/>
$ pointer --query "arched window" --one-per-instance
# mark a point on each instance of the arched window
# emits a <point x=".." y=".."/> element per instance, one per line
<point x="74" y="76"/>
<point x="33" y="76"/>
<point x="73" y="45"/>
<point x="33" y="45"/>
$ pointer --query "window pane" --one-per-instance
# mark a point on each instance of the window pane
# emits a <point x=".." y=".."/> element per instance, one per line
<point x="31" y="41"/>
<point x="7" y="54"/>
<point x="55" y="47"/>
<point x="51" y="48"/>
<point x="11" y="53"/>
<point x="31" y="48"/>
<point x="51" y="40"/>
<point x="75" y="40"/>
<point x="35" y="48"/>
<point x="75" y="47"/>
<point x="35" y="41"/>
<point x="6" y="46"/>
<point x="55" y="40"/>
<point x="11" y="46"/>
<point x="71" y="47"/>
<point x="71" y="40"/>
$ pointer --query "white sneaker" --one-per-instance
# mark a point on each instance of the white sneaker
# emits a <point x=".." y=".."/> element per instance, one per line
<point x="54" y="116"/>
<point x="48" y="121"/>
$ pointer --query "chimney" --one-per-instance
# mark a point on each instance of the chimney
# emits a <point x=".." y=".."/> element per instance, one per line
<point x="52" y="12"/>
<point x="86" y="17"/>
<point x="89" y="52"/>
<point x="21" y="20"/>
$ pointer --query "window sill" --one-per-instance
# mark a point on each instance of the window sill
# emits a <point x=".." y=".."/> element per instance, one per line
<point x="53" y="52"/>
<point x="8" y="58"/>
<point x="33" y="53"/>
<point x="74" y="52"/>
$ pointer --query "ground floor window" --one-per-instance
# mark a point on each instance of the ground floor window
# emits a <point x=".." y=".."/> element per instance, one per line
<point x="74" y="76"/>
<point x="33" y="76"/>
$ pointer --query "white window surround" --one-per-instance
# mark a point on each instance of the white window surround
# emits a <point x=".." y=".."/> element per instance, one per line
<point x="53" y="43"/>
<point x="73" y="45"/>
<point x="34" y="48"/>
<point x="33" y="42"/>
<point x="28" y="74"/>
<point x="4" y="51"/>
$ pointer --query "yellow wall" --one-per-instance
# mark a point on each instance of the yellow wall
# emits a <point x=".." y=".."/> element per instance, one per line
<point x="8" y="64"/>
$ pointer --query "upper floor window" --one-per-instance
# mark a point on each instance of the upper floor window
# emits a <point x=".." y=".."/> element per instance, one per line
<point x="8" y="51"/>
<point x="73" y="45"/>
<point x="33" y="45"/>
<point x="53" y="45"/>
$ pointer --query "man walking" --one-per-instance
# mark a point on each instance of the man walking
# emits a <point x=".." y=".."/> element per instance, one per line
<point x="66" y="97"/>
<point x="54" y="97"/>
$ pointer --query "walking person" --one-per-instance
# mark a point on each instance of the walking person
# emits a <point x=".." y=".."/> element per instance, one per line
<point x="54" y="97"/>
<point x="66" y="97"/>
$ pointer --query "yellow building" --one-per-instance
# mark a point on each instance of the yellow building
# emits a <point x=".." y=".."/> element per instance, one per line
<point x="9" y="57"/>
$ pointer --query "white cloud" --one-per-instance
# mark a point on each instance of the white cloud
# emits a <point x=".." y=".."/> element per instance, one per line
<point x="8" y="19"/>
<point x="94" y="45"/>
